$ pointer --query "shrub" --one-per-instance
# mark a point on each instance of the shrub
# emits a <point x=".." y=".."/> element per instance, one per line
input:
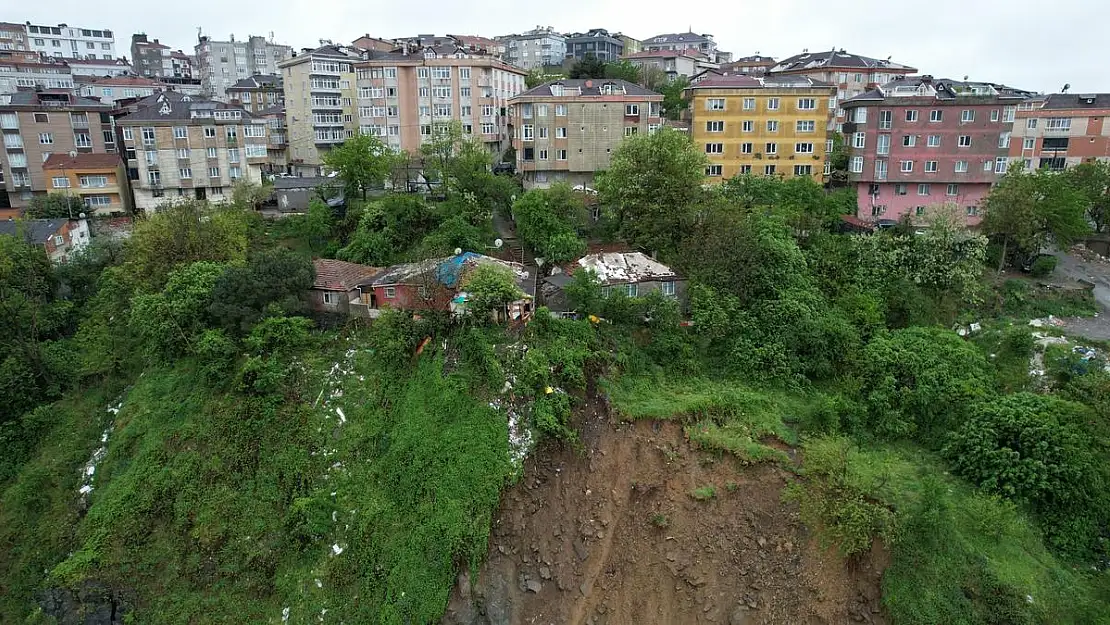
<point x="1043" y="266"/>
<point x="704" y="493"/>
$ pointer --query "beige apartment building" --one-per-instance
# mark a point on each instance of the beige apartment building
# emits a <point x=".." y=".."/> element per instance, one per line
<point x="319" y="88"/>
<point x="404" y="93"/>
<point x="36" y="124"/>
<point x="178" y="146"/>
<point x="566" y="130"/>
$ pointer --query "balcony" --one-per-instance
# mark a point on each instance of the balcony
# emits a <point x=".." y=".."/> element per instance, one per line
<point x="233" y="141"/>
<point x="80" y="123"/>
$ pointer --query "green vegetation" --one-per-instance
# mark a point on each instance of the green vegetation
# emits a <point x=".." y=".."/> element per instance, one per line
<point x="704" y="493"/>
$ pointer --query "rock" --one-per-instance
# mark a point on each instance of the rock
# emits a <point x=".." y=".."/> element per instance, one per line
<point x="545" y="572"/>
<point x="762" y="542"/>
<point x="580" y="549"/>
<point x="740" y="616"/>
<point x="533" y="585"/>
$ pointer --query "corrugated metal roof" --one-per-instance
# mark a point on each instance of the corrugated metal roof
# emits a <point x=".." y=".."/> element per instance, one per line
<point x="624" y="267"/>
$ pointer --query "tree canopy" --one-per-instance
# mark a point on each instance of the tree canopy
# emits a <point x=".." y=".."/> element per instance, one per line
<point x="1027" y="210"/>
<point x="362" y="162"/>
<point x="1092" y="180"/>
<point x="548" y="221"/>
<point x="589" y="66"/>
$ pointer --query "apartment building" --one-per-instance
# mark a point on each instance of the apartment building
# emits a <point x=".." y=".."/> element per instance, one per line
<point x="276" y="143"/>
<point x="99" y="180"/>
<point x="681" y="42"/>
<point x="19" y="72"/>
<point x="320" y="107"/>
<point x="256" y="93"/>
<point x="71" y="42"/>
<point x="1061" y="130"/>
<point x="762" y="125"/>
<point x="97" y="68"/>
<point x="596" y="41"/>
<point x="403" y="94"/>
<point x="566" y="130"/>
<point x="13" y="36"/>
<point x="918" y="142"/>
<point x="179" y="146"/>
<point x="111" y="89"/>
<point x="852" y="74"/>
<point x="220" y="64"/>
<point x="37" y="124"/>
<point x="631" y="44"/>
<point x="536" y="48"/>
<point x="755" y="64"/>
<point x="673" y="63"/>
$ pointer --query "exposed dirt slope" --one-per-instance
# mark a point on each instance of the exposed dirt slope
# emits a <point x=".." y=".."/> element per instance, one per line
<point x="582" y="540"/>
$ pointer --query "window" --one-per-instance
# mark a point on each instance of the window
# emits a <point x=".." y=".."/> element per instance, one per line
<point x="747" y="126"/>
<point x="560" y="110"/>
<point x="994" y="115"/>
<point x="42" y="118"/>
<point x="127" y="136"/>
<point x="713" y="170"/>
<point x="911" y="115"/>
<point x="972" y="211"/>
<point x="93" y="182"/>
<point x="560" y="155"/>
<point x="60" y="182"/>
<point x="923" y="189"/>
<point x="745" y="169"/>
<point x="151" y="157"/>
<point x="234" y="173"/>
<point x="487" y="129"/>
<point x="900" y="189"/>
<point x="543" y="155"/>
<point x="806" y="126"/>
<point x="185" y="173"/>
<point x="183" y="153"/>
<point x="527" y="132"/>
<point x="82" y="140"/>
<point x="961" y="167"/>
<point x="856" y="165"/>
<point x="630" y="289"/>
<point x="667" y="288"/>
<point x="1008" y="113"/>
<point x="1028" y="143"/>
<point x="97" y="201"/>
<point x="46" y="138"/>
<point x="936" y="115"/>
<point x="180" y="132"/>
<point x="331" y="299"/>
<point x="464" y="73"/>
<point x="880" y="169"/>
<point x="803" y="148"/>
<point x="807" y="104"/>
<point x="630" y="109"/>
<point x="628" y="130"/>
<point x="772" y="104"/>
<point x="967" y="116"/>
<point x="209" y="132"/>
<point x="883" y="146"/>
<point x="885" y="119"/>
<point x="1004" y="140"/>
<point x="953" y="189"/>
<point x="988" y="166"/>
<point x="1000" y="164"/>
<point x="714" y="148"/>
<point x="1031" y="123"/>
<point x="772" y="126"/>
<point x="715" y="126"/>
<point x="965" y="141"/>
<point x="715" y="104"/>
<point x="1057" y="124"/>
<point x="768" y="170"/>
<point x="233" y="155"/>
<point x="859" y="115"/>
<point x="771" y="148"/>
<point x="749" y="104"/>
<point x="859" y="140"/>
<point x="909" y="141"/>
<point x="905" y="166"/>
<point x="803" y="170"/>
<point x="561" y="132"/>
<point x="390" y="292"/>
<point x="918" y="211"/>
<point x="148" y="136"/>
<point x="213" y="172"/>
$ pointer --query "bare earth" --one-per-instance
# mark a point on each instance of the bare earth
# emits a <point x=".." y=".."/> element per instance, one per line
<point x="579" y="541"/>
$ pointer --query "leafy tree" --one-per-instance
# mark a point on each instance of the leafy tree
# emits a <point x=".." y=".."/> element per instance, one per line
<point x="1092" y="179"/>
<point x="490" y="287"/>
<point x="1026" y="210"/>
<point x="654" y="186"/>
<point x="584" y="292"/>
<point x="589" y="66"/>
<point x="169" y="321"/>
<point x="547" y="220"/>
<point x="538" y="76"/>
<point x="462" y="164"/>
<point x="838" y="161"/>
<point x="362" y="162"/>
<point x="623" y="70"/>
<point x="247" y="196"/>
<point x="272" y="282"/>
<point x="674" y="97"/>
<point x="800" y="200"/>
<point x="652" y="77"/>
<point x="53" y="206"/>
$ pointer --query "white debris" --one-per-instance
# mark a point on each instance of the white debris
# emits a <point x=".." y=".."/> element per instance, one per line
<point x="285" y="615"/>
<point x="334" y="516"/>
<point x="88" y="471"/>
<point x="319" y="584"/>
<point x="336" y="549"/>
<point x="1050" y="320"/>
<point x="342" y="417"/>
<point x="85" y="490"/>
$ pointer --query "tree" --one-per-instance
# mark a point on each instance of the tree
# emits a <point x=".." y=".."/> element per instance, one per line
<point x="584" y="292"/>
<point x="623" y="70"/>
<point x="248" y="196"/>
<point x="589" y="66"/>
<point x="674" y="97"/>
<point x="170" y="320"/>
<point x="362" y="162"/>
<point x="654" y="185"/>
<point x="1026" y="210"/>
<point x="547" y="220"/>
<point x="1092" y="179"/>
<point x="838" y="162"/>
<point x="489" y="288"/>
<point x="538" y="75"/>
<point x="652" y="77"/>
<point x="273" y="281"/>
<point x="54" y="206"/>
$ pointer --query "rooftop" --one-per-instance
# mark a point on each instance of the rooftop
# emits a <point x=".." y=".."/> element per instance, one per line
<point x="338" y="275"/>
<point x="745" y="81"/>
<point x="175" y="106"/>
<point x="52" y="99"/>
<point x="450" y="271"/>
<point x="81" y="161"/>
<point x="691" y="53"/>
<point x="585" y="87"/>
<point x="939" y="89"/>
<point x="258" y="81"/>
<point x="678" y="38"/>
<point x="1077" y="101"/>
<point x="623" y="267"/>
<point x="127" y="81"/>
<point x="836" y="59"/>
<point x="36" y="231"/>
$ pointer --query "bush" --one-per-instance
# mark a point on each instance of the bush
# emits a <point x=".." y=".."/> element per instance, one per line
<point x="704" y="493"/>
<point x="1043" y="266"/>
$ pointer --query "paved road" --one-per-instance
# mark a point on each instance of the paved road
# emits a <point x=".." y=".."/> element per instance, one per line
<point x="1072" y="267"/>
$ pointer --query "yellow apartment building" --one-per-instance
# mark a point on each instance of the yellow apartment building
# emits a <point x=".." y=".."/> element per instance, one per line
<point x="98" y="180"/>
<point x="773" y="125"/>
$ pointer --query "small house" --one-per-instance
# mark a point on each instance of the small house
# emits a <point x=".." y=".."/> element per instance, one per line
<point x="60" y="238"/>
<point x="632" y="274"/>
<point x="342" y="288"/>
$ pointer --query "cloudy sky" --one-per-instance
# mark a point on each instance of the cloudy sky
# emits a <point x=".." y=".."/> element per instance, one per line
<point x="1030" y="44"/>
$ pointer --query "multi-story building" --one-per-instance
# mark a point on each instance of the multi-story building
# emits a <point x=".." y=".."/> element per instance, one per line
<point x="1061" y="130"/>
<point x="178" y="146"/>
<point x="917" y="142"/>
<point x="37" y="124"/>
<point x="256" y="93"/>
<point x="181" y="64"/>
<point x="149" y="58"/>
<point x="220" y="64"/>
<point x="111" y="89"/>
<point x="402" y="95"/>
<point x="99" y="180"/>
<point x="596" y="41"/>
<point x="71" y="42"/>
<point x="631" y="44"/>
<point x="84" y="69"/>
<point x="763" y="125"/>
<point x="673" y="64"/>
<point x="756" y="65"/>
<point x="276" y="143"/>
<point x="366" y="42"/>
<point x="851" y="73"/>
<point x="17" y="72"/>
<point x="13" y="36"/>
<point x="679" y="42"/>
<point x="59" y="238"/>
<point x="539" y="47"/>
<point x="320" y="107"/>
<point x="566" y="130"/>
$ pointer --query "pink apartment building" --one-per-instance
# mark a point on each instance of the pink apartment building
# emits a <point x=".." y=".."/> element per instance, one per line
<point x="917" y="142"/>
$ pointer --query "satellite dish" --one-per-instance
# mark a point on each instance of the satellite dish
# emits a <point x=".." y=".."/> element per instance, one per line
<point x="498" y="243"/>
<point x="81" y="215"/>
<point x="73" y="153"/>
<point x="458" y="250"/>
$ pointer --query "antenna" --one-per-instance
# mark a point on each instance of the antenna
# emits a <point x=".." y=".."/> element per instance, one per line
<point x="498" y="243"/>
<point x="458" y="250"/>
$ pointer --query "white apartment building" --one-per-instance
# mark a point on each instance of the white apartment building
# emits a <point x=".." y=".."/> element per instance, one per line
<point x="535" y="48"/>
<point x="221" y="64"/>
<point x="72" y="42"/>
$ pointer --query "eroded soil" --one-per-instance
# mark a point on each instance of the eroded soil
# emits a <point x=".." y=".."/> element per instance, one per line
<point x="611" y="535"/>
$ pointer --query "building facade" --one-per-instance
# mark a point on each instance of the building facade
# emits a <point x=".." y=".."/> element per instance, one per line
<point x="276" y="143"/>
<point x="110" y="89"/>
<point x="1061" y="130"/>
<point x="13" y="36"/>
<point x="566" y="130"/>
<point x="539" y="47"/>
<point x="178" y="146"/>
<point x="59" y="238"/>
<point x="919" y="142"/>
<point x="38" y="124"/>
<point x="679" y="42"/>
<point x="72" y="42"/>
<point x="257" y="93"/>
<point x="596" y="41"/>
<point x="761" y="125"/>
<point x="852" y="74"/>
<point x="671" y="63"/>
<point x="147" y="57"/>
<point x="97" y="68"/>
<point x="220" y="64"/>
<point x="755" y="64"/>
<point x="319" y="88"/>
<point x="16" y="72"/>
<point x="403" y="95"/>
<point x="99" y="180"/>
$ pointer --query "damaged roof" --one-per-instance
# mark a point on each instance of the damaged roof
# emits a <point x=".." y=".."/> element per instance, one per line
<point x="625" y="267"/>
<point x="338" y="275"/>
<point x="450" y="270"/>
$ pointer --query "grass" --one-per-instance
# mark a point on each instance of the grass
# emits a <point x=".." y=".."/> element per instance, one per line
<point x="704" y="493"/>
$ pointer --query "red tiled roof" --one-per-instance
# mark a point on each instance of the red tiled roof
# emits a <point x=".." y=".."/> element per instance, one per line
<point x="82" y="161"/>
<point x="338" y="275"/>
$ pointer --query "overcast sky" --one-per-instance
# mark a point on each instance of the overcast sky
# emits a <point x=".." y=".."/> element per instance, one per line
<point x="1031" y="44"/>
